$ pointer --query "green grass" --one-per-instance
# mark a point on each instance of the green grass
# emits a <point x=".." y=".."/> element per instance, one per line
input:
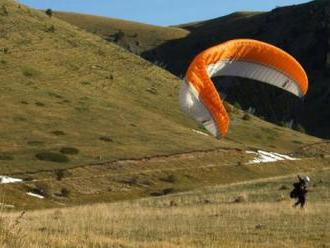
<point x="114" y="116"/>
<point x="119" y="112"/>
<point x="173" y="48"/>
<point x="106" y="127"/>
<point x="133" y="36"/>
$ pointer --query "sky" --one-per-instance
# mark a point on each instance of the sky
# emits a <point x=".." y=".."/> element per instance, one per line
<point x="160" y="12"/>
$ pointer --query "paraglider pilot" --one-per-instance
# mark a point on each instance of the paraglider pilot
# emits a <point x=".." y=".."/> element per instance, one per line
<point x="300" y="190"/>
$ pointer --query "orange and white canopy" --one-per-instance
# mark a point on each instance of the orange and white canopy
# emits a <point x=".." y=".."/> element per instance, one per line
<point x="242" y="58"/>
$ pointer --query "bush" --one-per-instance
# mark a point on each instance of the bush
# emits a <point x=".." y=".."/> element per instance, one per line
<point x="35" y="142"/>
<point x="59" y="174"/>
<point x="69" y="150"/>
<point x="40" y="104"/>
<point x="283" y="187"/>
<point x="130" y="181"/>
<point x="237" y="105"/>
<point x="246" y="117"/>
<point x="163" y="192"/>
<point x="52" y="157"/>
<point x="168" y="191"/>
<point x="30" y="72"/>
<point x="106" y="138"/>
<point x="169" y="179"/>
<point x="6" y="157"/>
<point x="65" y="192"/>
<point x="300" y="128"/>
<point x="49" y="12"/>
<point x="58" y="133"/>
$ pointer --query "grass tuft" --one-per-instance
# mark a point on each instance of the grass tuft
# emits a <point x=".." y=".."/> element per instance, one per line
<point x="52" y="157"/>
<point x="69" y="150"/>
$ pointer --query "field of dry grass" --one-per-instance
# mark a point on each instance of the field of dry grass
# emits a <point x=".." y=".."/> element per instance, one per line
<point x="255" y="213"/>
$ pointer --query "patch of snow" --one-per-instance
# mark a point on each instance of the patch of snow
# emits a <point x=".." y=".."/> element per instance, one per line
<point x="35" y="195"/>
<point x="5" y="179"/>
<point x="199" y="132"/>
<point x="267" y="157"/>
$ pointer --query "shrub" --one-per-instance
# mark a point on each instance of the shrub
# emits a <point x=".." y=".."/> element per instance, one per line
<point x="35" y="142"/>
<point x="69" y="150"/>
<point x="163" y="192"/>
<point x="300" y="128"/>
<point x="65" y="192"/>
<point x="52" y="157"/>
<point x="59" y="174"/>
<point x="6" y="157"/>
<point x="168" y="191"/>
<point x="283" y="187"/>
<point x="40" y="104"/>
<point x="49" y="12"/>
<point x="5" y="50"/>
<point x="58" y="133"/>
<point x="30" y="72"/>
<point x="106" y="138"/>
<point x="130" y="181"/>
<point x="237" y="105"/>
<point x="246" y="117"/>
<point x="118" y="36"/>
<point x="156" y="194"/>
<point x="169" y="179"/>
<point x="53" y="94"/>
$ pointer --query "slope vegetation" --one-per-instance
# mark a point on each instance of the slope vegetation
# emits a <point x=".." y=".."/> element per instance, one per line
<point x="65" y="88"/>
<point x="69" y="92"/>
<point x="302" y="30"/>
<point x="133" y="36"/>
<point x="83" y="120"/>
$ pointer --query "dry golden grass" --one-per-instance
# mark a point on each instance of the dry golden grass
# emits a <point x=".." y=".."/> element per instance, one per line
<point x="205" y="218"/>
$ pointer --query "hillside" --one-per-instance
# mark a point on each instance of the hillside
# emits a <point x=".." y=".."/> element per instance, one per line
<point x="65" y="88"/>
<point x="83" y="120"/>
<point x="304" y="33"/>
<point x="133" y="36"/>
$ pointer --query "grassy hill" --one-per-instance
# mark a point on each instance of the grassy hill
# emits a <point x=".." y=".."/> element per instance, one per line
<point x="304" y="33"/>
<point x="133" y="36"/>
<point x="83" y="120"/>
<point x="62" y="87"/>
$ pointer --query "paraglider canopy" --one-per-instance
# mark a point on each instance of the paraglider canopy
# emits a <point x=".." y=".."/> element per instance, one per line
<point x="242" y="58"/>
